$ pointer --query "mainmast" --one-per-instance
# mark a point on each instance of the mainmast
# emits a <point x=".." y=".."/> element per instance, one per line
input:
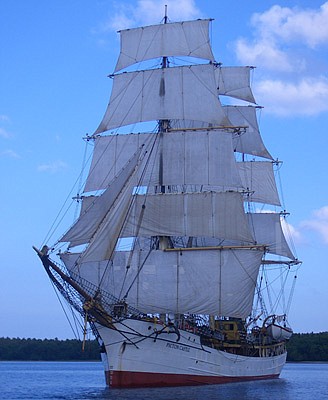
<point x="163" y="125"/>
<point x="165" y="22"/>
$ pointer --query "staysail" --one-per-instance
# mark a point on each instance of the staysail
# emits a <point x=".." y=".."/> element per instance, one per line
<point x="95" y="209"/>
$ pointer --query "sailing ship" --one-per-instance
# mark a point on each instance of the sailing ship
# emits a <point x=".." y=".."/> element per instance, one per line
<point x="180" y="221"/>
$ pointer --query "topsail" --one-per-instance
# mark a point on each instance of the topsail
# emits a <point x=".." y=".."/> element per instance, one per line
<point x="164" y="94"/>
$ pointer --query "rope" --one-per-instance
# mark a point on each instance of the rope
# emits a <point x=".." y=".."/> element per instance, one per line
<point x="66" y="315"/>
<point x="58" y="220"/>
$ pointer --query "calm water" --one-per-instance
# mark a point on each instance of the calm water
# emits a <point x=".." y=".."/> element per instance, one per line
<point x="74" y="380"/>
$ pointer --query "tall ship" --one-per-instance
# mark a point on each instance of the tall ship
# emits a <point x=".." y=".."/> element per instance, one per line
<point x="178" y="248"/>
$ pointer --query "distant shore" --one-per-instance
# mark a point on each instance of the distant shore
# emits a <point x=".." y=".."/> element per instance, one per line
<point x="17" y="349"/>
<point x="302" y="347"/>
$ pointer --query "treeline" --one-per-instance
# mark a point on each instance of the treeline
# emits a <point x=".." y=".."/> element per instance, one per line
<point x="301" y="347"/>
<point x="308" y="347"/>
<point x="48" y="350"/>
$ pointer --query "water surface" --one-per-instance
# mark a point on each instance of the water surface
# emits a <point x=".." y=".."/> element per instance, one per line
<point x="85" y="380"/>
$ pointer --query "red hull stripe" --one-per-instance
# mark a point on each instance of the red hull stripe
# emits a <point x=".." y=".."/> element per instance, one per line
<point x="126" y="379"/>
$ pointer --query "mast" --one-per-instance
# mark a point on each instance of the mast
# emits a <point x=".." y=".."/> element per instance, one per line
<point x="163" y="125"/>
<point x="165" y="22"/>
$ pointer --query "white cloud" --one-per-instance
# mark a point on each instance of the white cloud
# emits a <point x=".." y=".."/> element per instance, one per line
<point x="4" y="133"/>
<point x="10" y="153"/>
<point x="264" y="52"/>
<point x="277" y="32"/>
<point x="285" y="45"/>
<point x="307" y="26"/>
<point x="150" y="12"/>
<point x="319" y="223"/>
<point x="309" y="96"/>
<point x="53" y="167"/>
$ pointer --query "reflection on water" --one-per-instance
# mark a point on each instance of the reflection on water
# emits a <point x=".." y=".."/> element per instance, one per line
<point x="239" y="391"/>
<point x="72" y="381"/>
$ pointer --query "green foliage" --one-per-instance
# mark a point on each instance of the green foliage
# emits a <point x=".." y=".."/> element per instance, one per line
<point x="308" y="347"/>
<point x="48" y="350"/>
<point x="301" y="347"/>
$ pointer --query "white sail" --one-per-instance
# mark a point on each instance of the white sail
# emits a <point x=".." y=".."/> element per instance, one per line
<point x="235" y="82"/>
<point x="181" y="152"/>
<point x="110" y="155"/>
<point x="250" y="141"/>
<point x="96" y="209"/>
<point x="258" y="179"/>
<point x="210" y="214"/>
<point x="173" y="282"/>
<point x="267" y="230"/>
<point x="212" y="289"/>
<point x="189" y="38"/>
<point x="164" y="94"/>
<point x="104" y="240"/>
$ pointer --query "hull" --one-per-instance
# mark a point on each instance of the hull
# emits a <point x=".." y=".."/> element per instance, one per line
<point x="140" y="357"/>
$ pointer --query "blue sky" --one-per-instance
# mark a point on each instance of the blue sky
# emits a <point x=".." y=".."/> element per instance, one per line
<point x="55" y="58"/>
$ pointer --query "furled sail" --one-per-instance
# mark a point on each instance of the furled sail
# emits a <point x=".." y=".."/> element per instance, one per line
<point x="205" y="282"/>
<point x="181" y="152"/>
<point x="189" y="38"/>
<point x="235" y="82"/>
<point x="267" y="230"/>
<point x="164" y="94"/>
<point x="258" y="179"/>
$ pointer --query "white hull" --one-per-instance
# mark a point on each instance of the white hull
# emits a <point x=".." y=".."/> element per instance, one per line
<point x="147" y="360"/>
